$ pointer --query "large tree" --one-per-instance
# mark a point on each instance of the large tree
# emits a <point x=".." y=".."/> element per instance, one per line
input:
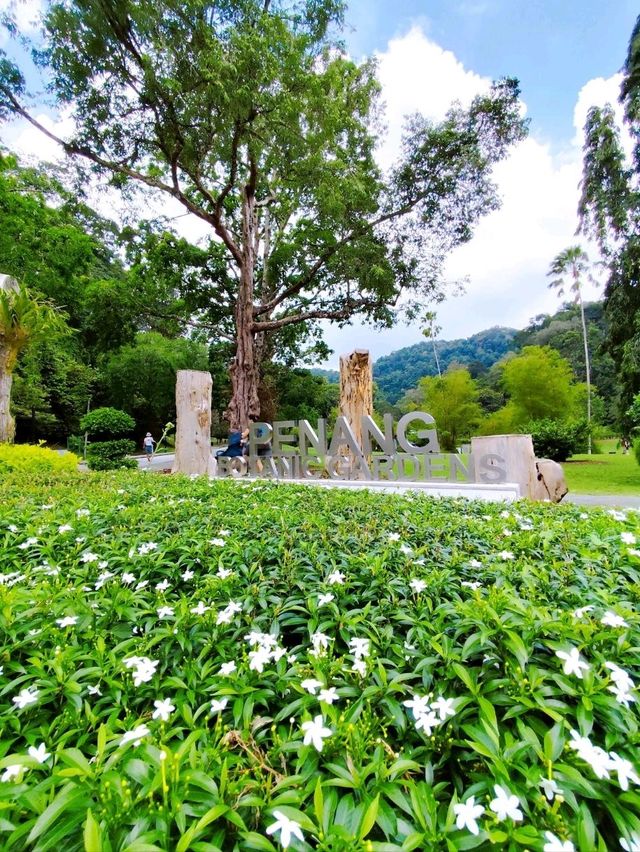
<point x="249" y="114"/>
<point x="609" y="212"/>
<point x="24" y="318"/>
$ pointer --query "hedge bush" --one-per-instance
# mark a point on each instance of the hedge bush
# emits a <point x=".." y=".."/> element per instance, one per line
<point x="556" y="439"/>
<point x="236" y="666"/>
<point x="107" y="423"/>
<point x="110" y="455"/>
<point x="30" y="458"/>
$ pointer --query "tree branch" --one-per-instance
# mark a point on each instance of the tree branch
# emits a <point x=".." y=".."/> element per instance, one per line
<point x="321" y="313"/>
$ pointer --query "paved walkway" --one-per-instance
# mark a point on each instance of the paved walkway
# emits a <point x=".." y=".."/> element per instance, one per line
<point x="624" y="501"/>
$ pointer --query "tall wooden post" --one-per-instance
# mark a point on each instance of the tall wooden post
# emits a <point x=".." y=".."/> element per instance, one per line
<point x="193" y="423"/>
<point x="356" y="389"/>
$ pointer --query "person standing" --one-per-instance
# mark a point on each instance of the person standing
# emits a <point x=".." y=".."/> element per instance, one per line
<point x="147" y="444"/>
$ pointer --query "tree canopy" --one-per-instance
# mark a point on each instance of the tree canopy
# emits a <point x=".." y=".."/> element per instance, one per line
<point x="250" y="115"/>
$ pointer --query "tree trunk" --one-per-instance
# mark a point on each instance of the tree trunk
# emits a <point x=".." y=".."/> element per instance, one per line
<point x="245" y="369"/>
<point x="588" y="372"/>
<point x="356" y="389"/>
<point x="193" y="423"/>
<point x="7" y="423"/>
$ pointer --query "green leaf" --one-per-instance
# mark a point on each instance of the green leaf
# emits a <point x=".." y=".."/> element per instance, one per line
<point x="92" y="834"/>
<point x="369" y="818"/>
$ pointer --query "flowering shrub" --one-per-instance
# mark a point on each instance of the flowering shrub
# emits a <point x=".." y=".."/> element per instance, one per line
<point x="30" y="458"/>
<point x="196" y="666"/>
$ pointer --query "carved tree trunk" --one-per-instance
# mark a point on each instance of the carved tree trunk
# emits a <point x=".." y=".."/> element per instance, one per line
<point x="245" y="369"/>
<point x="356" y="390"/>
<point x="7" y="423"/>
<point x="517" y="454"/>
<point x="193" y="424"/>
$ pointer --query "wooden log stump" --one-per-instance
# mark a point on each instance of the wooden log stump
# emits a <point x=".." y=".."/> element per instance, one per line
<point x="193" y="423"/>
<point x="356" y="393"/>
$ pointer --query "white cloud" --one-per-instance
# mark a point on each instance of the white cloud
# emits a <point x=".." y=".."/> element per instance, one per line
<point x="507" y="260"/>
<point x="26" y="14"/>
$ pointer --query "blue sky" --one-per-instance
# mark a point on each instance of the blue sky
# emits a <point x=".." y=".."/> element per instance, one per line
<point x="552" y="46"/>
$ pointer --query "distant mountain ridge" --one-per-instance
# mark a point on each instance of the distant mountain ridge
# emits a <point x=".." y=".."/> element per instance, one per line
<point x="398" y="372"/>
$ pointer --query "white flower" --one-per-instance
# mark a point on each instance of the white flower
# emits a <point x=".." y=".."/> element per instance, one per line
<point x="28" y="543"/>
<point x="471" y="584"/>
<point x="135" y="736"/>
<point x="164" y="708"/>
<point x="142" y="585"/>
<point x="64" y="528"/>
<point x="359" y="647"/>
<point x="288" y="828"/>
<point x="554" y="844"/>
<point x="467" y="814"/>
<point x="144" y="669"/>
<point x="550" y="788"/>
<point x="40" y="754"/>
<point x="328" y="695"/>
<point x="82" y="513"/>
<point x="223" y="573"/>
<point x="11" y="772"/>
<point x="320" y="644"/>
<point x="506" y="555"/>
<point x="419" y="704"/>
<point x="227" y="668"/>
<point x="311" y="685"/>
<point x="187" y="575"/>
<point x="89" y="557"/>
<point x="67" y="621"/>
<point x="200" y="609"/>
<point x="258" y="659"/>
<point x="218" y="542"/>
<point x="25" y="697"/>
<point x="427" y="722"/>
<point x="360" y="667"/>
<point x="325" y="599"/>
<point x="505" y="804"/>
<point x="224" y="532"/>
<point x="631" y="845"/>
<point x="163" y="586"/>
<point x="506" y="532"/>
<point x="165" y="611"/>
<point x="595" y="756"/>
<point x="225" y="615"/>
<point x="418" y="586"/>
<point x="94" y="690"/>
<point x="613" y="620"/>
<point x="625" y="770"/>
<point x="404" y="548"/>
<point x="617" y="516"/>
<point x="633" y="551"/>
<point x="12" y="528"/>
<point x="474" y="563"/>
<point x="218" y="704"/>
<point x="147" y="548"/>
<point x="394" y="536"/>
<point x="627" y="538"/>
<point x="444" y="707"/>
<point x="315" y="732"/>
<point x="579" y="613"/>
<point x="335" y="577"/>
<point x="572" y="662"/>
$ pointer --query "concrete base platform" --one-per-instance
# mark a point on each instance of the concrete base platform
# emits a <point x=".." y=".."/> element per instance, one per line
<point x="504" y="491"/>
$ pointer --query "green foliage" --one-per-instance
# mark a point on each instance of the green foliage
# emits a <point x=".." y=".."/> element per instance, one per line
<point x="110" y="455"/>
<point x="636" y="449"/>
<point x="452" y="400"/>
<point x="557" y="439"/>
<point x="633" y="412"/>
<point x="107" y="422"/>
<point x="32" y="459"/>
<point x="399" y="372"/>
<point x="141" y="378"/>
<point x="486" y="634"/>
<point x="540" y="384"/>
<point x="608" y="214"/>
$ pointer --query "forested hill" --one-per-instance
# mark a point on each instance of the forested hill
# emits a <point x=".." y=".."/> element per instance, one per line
<point x="400" y="371"/>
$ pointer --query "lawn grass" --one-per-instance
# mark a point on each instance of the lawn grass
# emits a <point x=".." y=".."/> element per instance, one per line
<point x="603" y="473"/>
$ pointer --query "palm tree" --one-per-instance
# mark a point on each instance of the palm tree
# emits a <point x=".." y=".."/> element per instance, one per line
<point x="431" y="332"/>
<point x="573" y="264"/>
<point x="24" y="318"/>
